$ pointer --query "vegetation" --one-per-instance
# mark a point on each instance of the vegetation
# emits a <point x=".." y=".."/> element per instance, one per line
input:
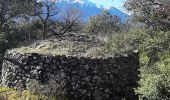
<point x="148" y="32"/>
<point x="12" y="94"/>
<point x="154" y="53"/>
<point x="154" y="48"/>
<point x="103" y="23"/>
<point x="152" y="41"/>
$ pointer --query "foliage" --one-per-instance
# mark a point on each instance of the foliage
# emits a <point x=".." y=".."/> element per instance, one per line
<point x="102" y="23"/>
<point x="155" y="80"/>
<point x="153" y="43"/>
<point x="158" y="54"/>
<point x="41" y="91"/>
<point x="154" y="52"/>
<point x="10" y="33"/>
<point x="119" y="42"/>
<point x="13" y="9"/>
<point x="30" y="28"/>
<point x="154" y="13"/>
<point x="152" y="40"/>
<point x="13" y="94"/>
<point x="35" y="91"/>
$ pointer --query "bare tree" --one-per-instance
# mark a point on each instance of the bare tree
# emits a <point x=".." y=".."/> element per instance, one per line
<point x="45" y="10"/>
<point x="70" y="20"/>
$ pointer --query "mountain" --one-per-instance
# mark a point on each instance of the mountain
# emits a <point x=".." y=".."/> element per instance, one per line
<point x="88" y="8"/>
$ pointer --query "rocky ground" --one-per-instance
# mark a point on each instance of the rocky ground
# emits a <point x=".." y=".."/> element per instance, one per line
<point x="68" y="44"/>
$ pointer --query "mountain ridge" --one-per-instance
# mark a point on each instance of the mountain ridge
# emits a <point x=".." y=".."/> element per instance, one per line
<point x="89" y="9"/>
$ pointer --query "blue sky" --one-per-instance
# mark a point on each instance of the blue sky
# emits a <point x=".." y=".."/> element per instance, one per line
<point x="109" y="3"/>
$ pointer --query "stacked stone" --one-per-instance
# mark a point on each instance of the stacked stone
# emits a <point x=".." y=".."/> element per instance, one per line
<point x="111" y="78"/>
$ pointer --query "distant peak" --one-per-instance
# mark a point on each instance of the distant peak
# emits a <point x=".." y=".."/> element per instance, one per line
<point x="100" y="6"/>
<point x="89" y="8"/>
<point x="90" y="3"/>
<point x="77" y="1"/>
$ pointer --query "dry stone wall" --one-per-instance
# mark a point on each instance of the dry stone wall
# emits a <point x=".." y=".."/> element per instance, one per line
<point x="111" y="78"/>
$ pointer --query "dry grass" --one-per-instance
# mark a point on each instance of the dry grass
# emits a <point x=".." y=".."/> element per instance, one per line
<point x="12" y="94"/>
<point x="93" y="47"/>
<point x="63" y="48"/>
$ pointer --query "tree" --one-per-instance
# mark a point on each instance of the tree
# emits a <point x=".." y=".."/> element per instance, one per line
<point x="70" y="20"/>
<point x="10" y="12"/>
<point x="30" y="27"/>
<point x="154" y="13"/>
<point x="153" y="43"/>
<point x="102" y="23"/>
<point x="10" y="9"/>
<point x="46" y="10"/>
<point x="153" y="47"/>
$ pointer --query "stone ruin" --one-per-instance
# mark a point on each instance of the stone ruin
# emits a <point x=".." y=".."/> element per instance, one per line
<point x="111" y="78"/>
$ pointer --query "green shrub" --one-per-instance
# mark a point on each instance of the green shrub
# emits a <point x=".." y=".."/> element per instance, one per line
<point x="34" y="91"/>
<point x="118" y="43"/>
<point x="155" y="78"/>
<point x="13" y="94"/>
<point x="51" y="90"/>
<point x="103" y="23"/>
<point x="154" y="55"/>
